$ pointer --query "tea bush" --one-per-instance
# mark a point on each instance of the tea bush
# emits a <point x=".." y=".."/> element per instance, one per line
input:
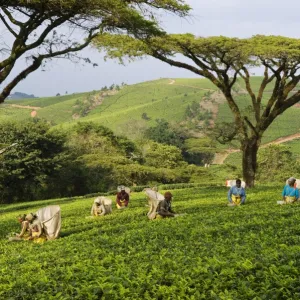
<point x="211" y="252"/>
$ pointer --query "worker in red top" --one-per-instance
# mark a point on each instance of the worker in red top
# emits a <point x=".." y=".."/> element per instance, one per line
<point x="122" y="198"/>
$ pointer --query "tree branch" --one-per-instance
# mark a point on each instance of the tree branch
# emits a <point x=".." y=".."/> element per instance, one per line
<point x="8" y="26"/>
<point x="9" y="87"/>
<point x="37" y="62"/>
<point x="11" y="18"/>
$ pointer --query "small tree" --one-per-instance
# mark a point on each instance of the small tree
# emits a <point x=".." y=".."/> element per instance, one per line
<point x="223" y="60"/>
<point x="145" y="116"/>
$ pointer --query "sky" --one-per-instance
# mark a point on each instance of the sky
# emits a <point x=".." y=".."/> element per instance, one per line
<point x="234" y="18"/>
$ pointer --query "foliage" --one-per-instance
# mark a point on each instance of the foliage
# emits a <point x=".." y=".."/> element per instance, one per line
<point x="199" y="151"/>
<point x="275" y="163"/>
<point x="84" y="159"/>
<point x="26" y="168"/>
<point x="165" y="134"/>
<point x="213" y="252"/>
<point x="163" y="156"/>
<point x="222" y="60"/>
<point x="195" y="112"/>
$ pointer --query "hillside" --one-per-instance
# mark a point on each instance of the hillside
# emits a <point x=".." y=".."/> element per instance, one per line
<point x="158" y="99"/>
<point x="123" y="110"/>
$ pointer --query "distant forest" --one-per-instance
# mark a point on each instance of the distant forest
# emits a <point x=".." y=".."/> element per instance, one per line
<point x="18" y="95"/>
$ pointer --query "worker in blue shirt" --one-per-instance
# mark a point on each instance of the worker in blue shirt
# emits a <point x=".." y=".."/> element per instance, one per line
<point x="236" y="194"/>
<point x="290" y="193"/>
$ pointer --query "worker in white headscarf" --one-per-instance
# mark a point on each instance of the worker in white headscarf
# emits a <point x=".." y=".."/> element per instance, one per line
<point x="101" y="206"/>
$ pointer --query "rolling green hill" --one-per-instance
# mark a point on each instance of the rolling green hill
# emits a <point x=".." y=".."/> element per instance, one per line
<point x="122" y="111"/>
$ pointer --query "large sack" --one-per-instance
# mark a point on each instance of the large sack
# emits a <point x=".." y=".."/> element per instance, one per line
<point x="50" y="218"/>
<point x="230" y="183"/>
<point x="153" y="199"/>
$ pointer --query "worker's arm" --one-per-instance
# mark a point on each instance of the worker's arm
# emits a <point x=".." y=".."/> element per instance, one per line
<point x="243" y="196"/>
<point x="25" y="225"/>
<point x="94" y="210"/>
<point x="118" y="199"/>
<point x="126" y="199"/>
<point x="103" y="211"/>
<point x="230" y="194"/>
<point x="284" y="193"/>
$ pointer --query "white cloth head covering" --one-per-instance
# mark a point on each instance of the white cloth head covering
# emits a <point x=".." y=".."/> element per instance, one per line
<point x="98" y="200"/>
<point x="29" y="217"/>
<point x="123" y="188"/>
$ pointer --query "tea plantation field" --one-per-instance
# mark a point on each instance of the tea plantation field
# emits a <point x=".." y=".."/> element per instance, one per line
<point x="212" y="252"/>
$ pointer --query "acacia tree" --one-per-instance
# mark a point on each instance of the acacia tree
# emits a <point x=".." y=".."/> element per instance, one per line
<point x="41" y="30"/>
<point x="223" y="61"/>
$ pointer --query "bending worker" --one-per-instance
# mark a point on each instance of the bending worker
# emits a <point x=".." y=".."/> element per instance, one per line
<point x="102" y="206"/>
<point x="236" y="194"/>
<point x="290" y="193"/>
<point x="164" y="208"/>
<point x="122" y="198"/>
<point x="36" y="229"/>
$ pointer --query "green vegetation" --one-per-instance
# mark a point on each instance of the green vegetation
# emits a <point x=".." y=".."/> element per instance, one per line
<point x="86" y="158"/>
<point x="226" y="62"/>
<point x="212" y="252"/>
<point x="134" y="110"/>
<point x="274" y="162"/>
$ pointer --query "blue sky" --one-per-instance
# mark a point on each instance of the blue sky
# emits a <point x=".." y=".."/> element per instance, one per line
<point x="209" y="18"/>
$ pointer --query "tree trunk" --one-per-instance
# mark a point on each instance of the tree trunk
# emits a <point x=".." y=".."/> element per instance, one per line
<point x="250" y="149"/>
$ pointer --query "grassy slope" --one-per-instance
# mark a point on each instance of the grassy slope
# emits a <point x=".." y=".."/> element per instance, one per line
<point x="157" y="98"/>
<point x="213" y="252"/>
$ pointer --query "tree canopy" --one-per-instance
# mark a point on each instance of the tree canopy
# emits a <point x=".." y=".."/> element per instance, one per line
<point x="223" y="61"/>
<point x="45" y="29"/>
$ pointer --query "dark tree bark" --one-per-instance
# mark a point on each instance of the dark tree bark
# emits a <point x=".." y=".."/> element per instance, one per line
<point x="249" y="149"/>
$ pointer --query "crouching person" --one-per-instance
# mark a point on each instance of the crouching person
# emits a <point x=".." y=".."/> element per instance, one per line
<point x="122" y="198"/>
<point x="102" y="206"/>
<point x="36" y="229"/>
<point x="164" y="208"/>
<point x="290" y="193"/>
<point x="25" y="231"/>
<point x="236" y="194"/>
<point x="43" y="225"/>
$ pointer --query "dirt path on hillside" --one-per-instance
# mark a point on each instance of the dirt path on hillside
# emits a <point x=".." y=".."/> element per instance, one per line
<point x="221" y="157"/>
<point x="213" y="105"/>
<point x="173" y="82"/>
<point x="282" y="140"/>
<point x="24" y="106"/>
